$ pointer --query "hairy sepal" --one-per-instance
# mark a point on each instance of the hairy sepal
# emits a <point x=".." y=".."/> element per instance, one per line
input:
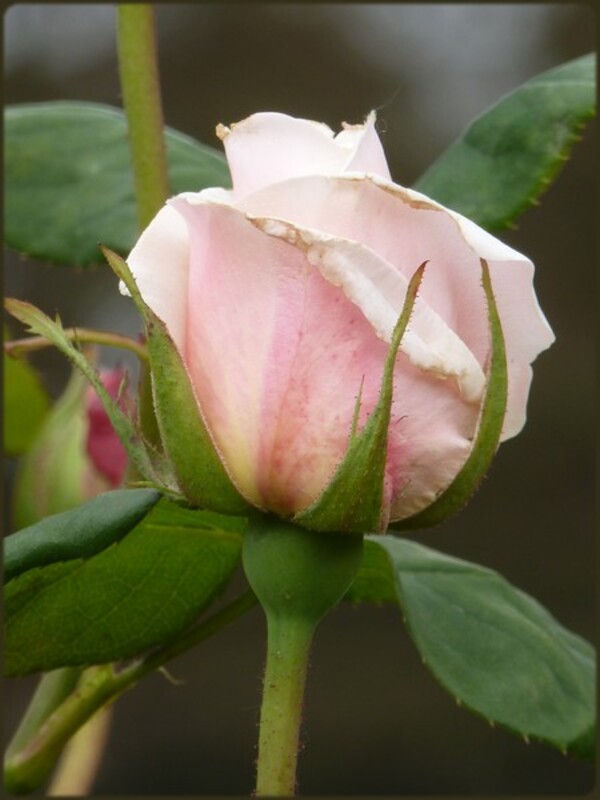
<point x="353" y="501"/>
<point x="489" y="429"/>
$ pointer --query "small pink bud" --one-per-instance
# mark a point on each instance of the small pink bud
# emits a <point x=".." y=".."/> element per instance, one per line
<point x="102" y="444"/>
<point x="75" y="456"/>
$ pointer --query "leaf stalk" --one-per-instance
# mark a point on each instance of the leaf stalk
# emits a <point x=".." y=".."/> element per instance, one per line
<point x="19" y="347"/>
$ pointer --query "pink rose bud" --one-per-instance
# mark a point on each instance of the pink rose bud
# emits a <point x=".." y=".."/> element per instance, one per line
<point x="102" y="443"/>
<point x="281" y="296"/>
<point x="75" y="456"/>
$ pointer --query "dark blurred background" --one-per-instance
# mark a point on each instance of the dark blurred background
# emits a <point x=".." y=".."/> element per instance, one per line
<point x="376" y="722"/>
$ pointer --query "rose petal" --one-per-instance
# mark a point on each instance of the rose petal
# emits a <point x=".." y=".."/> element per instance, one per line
<point x="364" y="144"/>
<point x="159" y="264"/>
<point x="281" y="354"/>
<point x="405" y="228"/>
<point x="267" y="148"/>
<point x="379" y="290"/>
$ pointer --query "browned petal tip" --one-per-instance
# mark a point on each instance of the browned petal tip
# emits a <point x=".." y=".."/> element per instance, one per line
<point x="222" y="131"/>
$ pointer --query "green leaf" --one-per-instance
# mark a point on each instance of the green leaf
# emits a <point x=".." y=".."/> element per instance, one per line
<point x="69" y="183"/>
<point x="494" y="648"/>
<point x="26" y="404"/>
<point x="27" y="585"/>
<point x="489" y="429"/>
<point x="511" y="153"/>
<point x="77" y="533"/>
<point x="192" y="453"/>
<point x="352" y="501"/>
<point x="134" y="595"/>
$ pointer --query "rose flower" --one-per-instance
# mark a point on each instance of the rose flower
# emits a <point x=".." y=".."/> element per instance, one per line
<point x="281" y="295"/>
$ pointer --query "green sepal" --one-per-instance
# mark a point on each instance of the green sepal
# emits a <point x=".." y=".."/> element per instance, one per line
<point x="149" y="463"/>
<point x="352" y="502"/>
<point x="78" y="533"/>
<point x="200" y="472"/>
<point x="489" y="429"/>
<point x="146" y="416"/>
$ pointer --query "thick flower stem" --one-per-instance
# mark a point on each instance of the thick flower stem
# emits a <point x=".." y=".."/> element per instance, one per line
<point x="140" y="85"/>
<point x="298" y="576"/>
<point x="281" y="713"/>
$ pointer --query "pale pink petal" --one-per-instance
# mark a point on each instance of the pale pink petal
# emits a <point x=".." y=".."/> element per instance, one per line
<point x="526" y="330"/>
<point x="238" y="339"/>
<point x="405" y="228"/>
<point x="278" y="355"/>
<point x="364" y="145"/>
<point x="269" y="147"/>
<point x="379" y="290"/>
<point x="159" y="264"/>
<point x="432" y="423"/>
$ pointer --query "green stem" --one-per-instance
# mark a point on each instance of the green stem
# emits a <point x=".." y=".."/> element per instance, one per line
<point x="28" y="767"/>
<point x="281" y="712"/>
<point x="140" y="85"/>
<point x="50" y="692"/>
<point x="18" y="347"/>
<point x="79" y="763"/>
